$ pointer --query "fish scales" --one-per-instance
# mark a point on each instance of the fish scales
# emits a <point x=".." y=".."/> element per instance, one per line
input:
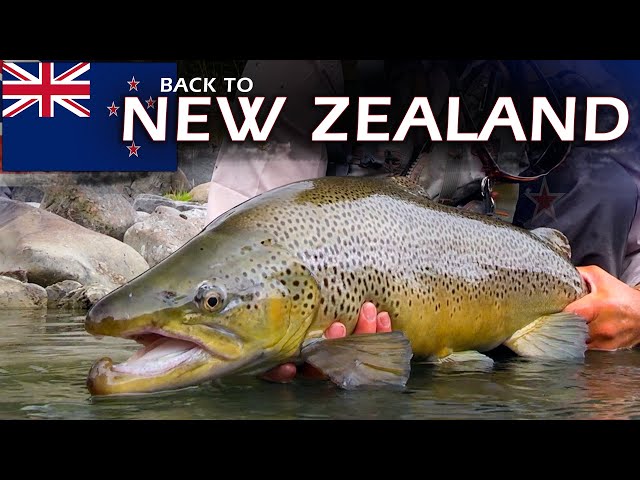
<point x="450" y="279"/>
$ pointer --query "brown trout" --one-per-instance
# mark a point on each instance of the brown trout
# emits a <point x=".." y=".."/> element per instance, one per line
<point x="260" y="284"/>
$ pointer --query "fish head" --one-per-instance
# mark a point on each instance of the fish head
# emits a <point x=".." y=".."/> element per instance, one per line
<point x="220" y="305"/>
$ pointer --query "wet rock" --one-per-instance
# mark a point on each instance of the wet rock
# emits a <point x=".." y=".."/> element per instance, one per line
<point x="16" y="294"/>
<point x="200" y="194"/>
<point x="83" y="298"/>
<point x="99" y="208"/>
<point x="58" y="290"/>
<point x="52" y="249"/>
<point x="160" y="235"/>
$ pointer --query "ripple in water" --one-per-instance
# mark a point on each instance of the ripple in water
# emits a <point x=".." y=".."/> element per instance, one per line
<point x="44" y="360"/>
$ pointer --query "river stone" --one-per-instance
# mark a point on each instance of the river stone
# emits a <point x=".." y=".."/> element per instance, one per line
<point x="100" y="208"/>
<point x="148" y="203"/>
<point x="52" y="249"/>
<point x="200" y="193"/>
<point x="196" y="216"/>
<point x="140" y="216"/>
<point x="19" y="274"/>
<point x="83" y="298"/>
<point x="164" y="210"/>
<point x="58" y="290"/>
<point x="16" y="294"/>
<point x="160" y="235"/>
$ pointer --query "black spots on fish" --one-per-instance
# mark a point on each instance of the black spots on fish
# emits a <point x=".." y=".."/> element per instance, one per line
<point x="310" y="296"/>
<point x="296" y="297"/>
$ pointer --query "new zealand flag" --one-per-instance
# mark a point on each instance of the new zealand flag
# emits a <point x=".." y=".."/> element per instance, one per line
<point x="60" y="116"/>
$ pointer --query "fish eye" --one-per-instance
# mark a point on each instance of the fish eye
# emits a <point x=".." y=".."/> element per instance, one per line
<point x="210" y="298"/>
<point x="212" y="301"/>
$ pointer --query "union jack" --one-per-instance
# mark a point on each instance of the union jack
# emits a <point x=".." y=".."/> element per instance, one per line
<point x="46" y="89"/>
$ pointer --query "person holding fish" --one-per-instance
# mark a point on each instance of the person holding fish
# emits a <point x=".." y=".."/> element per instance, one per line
<point x="588" y="192"/>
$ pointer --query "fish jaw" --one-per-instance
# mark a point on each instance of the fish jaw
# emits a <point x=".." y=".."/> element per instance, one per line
<point x="167" y="360"/>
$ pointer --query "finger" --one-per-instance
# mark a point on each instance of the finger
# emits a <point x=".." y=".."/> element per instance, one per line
<point x="336" y="330"/>
<point x="366" y="319"/>
<point x="585" y="307"/>
<point x="383" y="322"/>
<point x="284" y="373"/>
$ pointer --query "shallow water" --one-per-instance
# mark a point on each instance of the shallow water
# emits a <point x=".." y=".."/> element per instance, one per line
<point x="44" y="360"/>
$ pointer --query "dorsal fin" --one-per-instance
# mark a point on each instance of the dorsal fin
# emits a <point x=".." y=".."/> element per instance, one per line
<point x="555" y="239"/>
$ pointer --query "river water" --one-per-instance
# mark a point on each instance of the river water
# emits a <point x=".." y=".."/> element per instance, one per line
<point x="45" y="357"/>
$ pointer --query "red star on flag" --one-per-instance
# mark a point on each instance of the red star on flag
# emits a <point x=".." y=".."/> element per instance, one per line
<point x="133" y="84"/>
<point x="113" y="110"/>
<point x="150" y="103"/>
<point x="133" y="149"/>
<point x="543" y="200"/>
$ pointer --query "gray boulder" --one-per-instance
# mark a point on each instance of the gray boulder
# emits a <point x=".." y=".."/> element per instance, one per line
<point x="160" y="235"/>
<point x="99" y="208"/>
<point x="52" y="249"/>
<point x="16" y="294"/>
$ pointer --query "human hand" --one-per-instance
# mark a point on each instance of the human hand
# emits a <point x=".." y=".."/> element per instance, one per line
<point x="369" y="321"/>
<point x="612" y="311"/>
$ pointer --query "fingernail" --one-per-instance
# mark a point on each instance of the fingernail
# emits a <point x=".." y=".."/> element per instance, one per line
<point x="385" y="321"/>
<point x="369" y="311"/>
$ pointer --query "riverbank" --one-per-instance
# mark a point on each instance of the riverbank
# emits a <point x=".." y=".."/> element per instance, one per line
<point x="67" y="239"/>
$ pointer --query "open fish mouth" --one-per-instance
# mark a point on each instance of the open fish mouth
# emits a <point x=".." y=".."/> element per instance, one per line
<point x="165" y="361"/>
<point x="160" y="354"/>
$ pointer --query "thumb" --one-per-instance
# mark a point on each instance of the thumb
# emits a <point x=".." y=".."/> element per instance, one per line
<point x="596" y="277"/>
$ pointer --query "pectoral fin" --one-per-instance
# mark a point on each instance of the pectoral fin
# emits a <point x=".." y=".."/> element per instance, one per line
<point x="380" y="359"/>
<point x="560" y="336"/>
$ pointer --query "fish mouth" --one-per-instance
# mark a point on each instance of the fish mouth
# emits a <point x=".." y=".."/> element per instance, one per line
<point x="165" y="361"/>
